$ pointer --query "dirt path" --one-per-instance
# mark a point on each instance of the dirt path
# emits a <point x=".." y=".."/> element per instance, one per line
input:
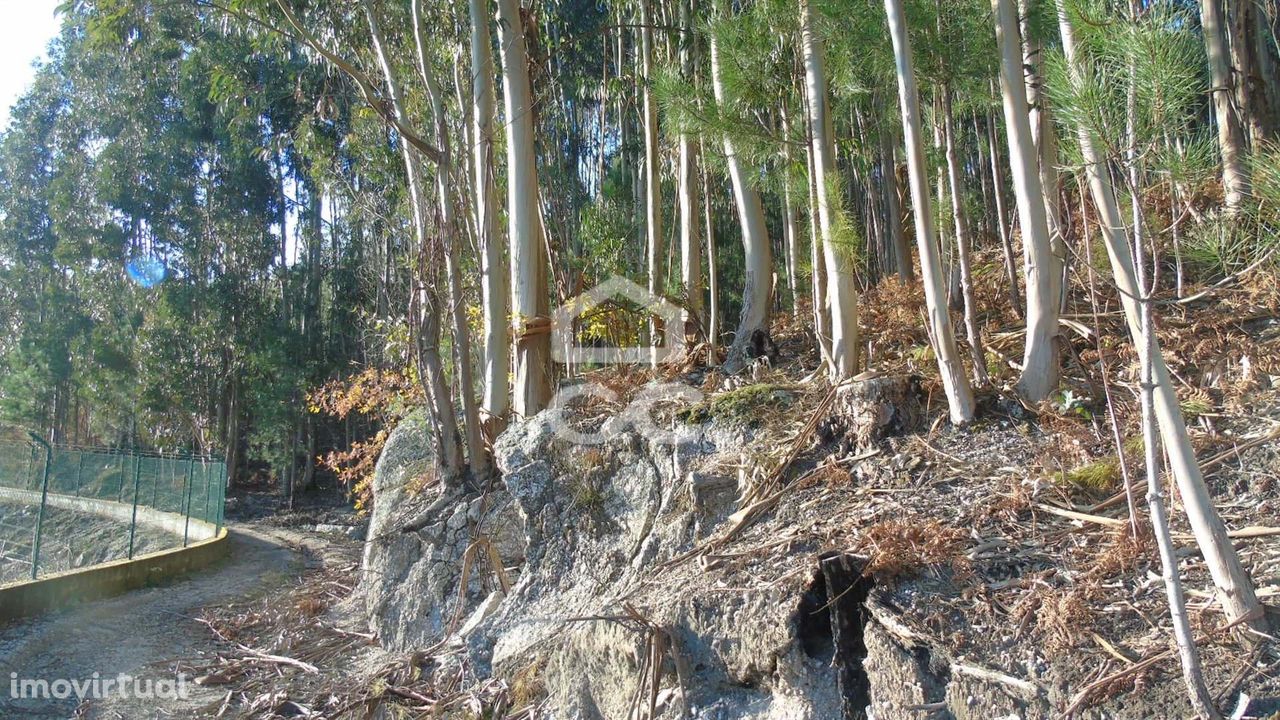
<point x="140" y="633"/>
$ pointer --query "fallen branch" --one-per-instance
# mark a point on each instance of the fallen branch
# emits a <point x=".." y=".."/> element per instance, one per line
<point x="1107" y="680"/>
<point x="1025" y="688"/>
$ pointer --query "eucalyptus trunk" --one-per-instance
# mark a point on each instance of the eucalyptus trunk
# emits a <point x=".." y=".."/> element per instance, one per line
<point x="790" y="215"/>
<point x="818" y="280"/>
<point x="713" y="274"/>
<point x="1045" y="137"/>
<point x="1002" y="218"/>
<point x="529" y="306"/>
<point x="1040" y="356"/>
<point x="956" y="179"/>
<point x="493" y="268"/>
<point x="757" y="293"/>
<point x="950" y="368"/>
<point x="426" y="302"/>
<point x="652" y="178"/>
<point x="842" y="295"/>
<point x="893" y="205"/>
<point x="1249" y="100"/>
<point x="477" y="452"/>
<point x="687" y="181"/>
<point x="1235" y="174"/>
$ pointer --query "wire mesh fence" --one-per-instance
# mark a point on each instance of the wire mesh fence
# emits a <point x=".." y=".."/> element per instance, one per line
<point x="39" y="537"/>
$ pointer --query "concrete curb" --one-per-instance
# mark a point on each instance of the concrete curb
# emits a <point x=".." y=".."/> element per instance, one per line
<point x="61" y="590"/>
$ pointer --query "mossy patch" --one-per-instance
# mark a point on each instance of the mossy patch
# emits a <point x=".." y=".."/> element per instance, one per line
<point x="1098" y="476"/>
<point x="744" y="406"/>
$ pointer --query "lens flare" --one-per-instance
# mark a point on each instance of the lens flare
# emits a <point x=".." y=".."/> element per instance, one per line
<point x="147" y="272"/>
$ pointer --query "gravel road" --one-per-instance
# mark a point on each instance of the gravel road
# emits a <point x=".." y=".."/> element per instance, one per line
<point x="145" y="632"/>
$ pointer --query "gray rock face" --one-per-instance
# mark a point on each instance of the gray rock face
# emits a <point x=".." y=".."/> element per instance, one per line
<point x="413" y="556"/>
<point x="601" y="521"/>
<point x="598" y="606"/>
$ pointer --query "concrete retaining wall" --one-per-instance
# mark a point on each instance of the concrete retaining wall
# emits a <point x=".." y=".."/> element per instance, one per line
<point x="207" y="543"/>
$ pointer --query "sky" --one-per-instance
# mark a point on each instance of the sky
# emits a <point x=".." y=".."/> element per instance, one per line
<point x="26" y="27"/>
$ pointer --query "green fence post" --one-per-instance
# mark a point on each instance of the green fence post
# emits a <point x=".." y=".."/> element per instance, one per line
<point x="79" y="472"/>
<point x="133" y="523"/>
<point x="120" y="475"/>
<point x="155" y="483"/>
<point x="204" y="467"/>
<point x="186" y="528"/>
<point x="44" y="499"/>
<point x="222" y="500"/>
<point x="31" y="461"/>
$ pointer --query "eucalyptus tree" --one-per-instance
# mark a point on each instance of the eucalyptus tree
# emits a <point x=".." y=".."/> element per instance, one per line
<point x="426" y="299"/>
<point x="1040" y="361"/>
<point x="757" y="294"/>
<point x="173" y="135"/>
<point x="652" y="163"/>
<point x="426" y="305"/>
<point x="954" y="381"/>
<point x="493" y="262"/>
<point x="529" y="301"/>
<point x="688" y="187"/>
<point x="1085" y="93"/>
<point x="1044" y="134"/>
<point x="1235" y="173"/>
<point x="842" y="294"/>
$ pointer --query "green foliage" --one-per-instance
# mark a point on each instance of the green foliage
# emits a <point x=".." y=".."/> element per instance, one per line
<point x="163" y="133"/>
<point x="606" y="229"/>
<point x="1099" y="476"/>
<point x="1159" y="58"/>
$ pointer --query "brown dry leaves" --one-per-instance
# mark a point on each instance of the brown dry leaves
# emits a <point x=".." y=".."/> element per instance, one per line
<point x="897" y="548"/>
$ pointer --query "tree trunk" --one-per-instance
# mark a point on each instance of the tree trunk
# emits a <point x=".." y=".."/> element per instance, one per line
<point x="950" y="368"/>
<point x="1235" y="175"/>
<point x="1040" y="358"/>
<point x="893" y="206"/>
<point x="493" y="269"/>
<point x="842" y="295"/>
<point x="713" y="278"/>
<point x="1002" y="218"/>
<point x="950" y="268"/>
<point x="818" y="280"/>
<point x="652" y="178"/>
<point x="529" y="304"/>
<point x="1235" y="590"/>
<point x="979" y="357"/>
<point x="790" y="215"/>
<point x="1268" y="77"/>
<point x="477" y="454"/>
<point x="690" y="247"/>
<point x="428" y="306"/>
<point x="1245" y="68"/>
<point x="1045" y="138"/>
<point x="757" y="294"/>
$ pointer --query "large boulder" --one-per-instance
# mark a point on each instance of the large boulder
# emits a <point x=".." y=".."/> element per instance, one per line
<point x="609" y="609"/>
<point x="419" y="533"/>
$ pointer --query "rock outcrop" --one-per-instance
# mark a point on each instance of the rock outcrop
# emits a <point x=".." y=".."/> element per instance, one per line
<point x="602" y="601"/>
